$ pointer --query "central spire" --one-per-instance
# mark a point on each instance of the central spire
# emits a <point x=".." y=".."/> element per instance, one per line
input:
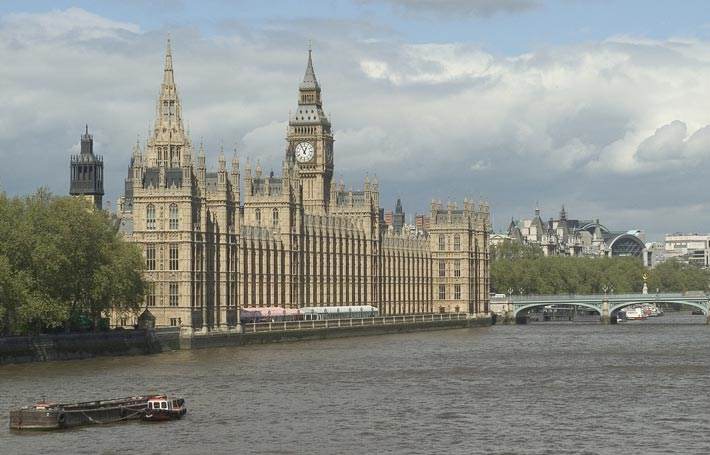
<point x="168" y="144"/>
<point x="168" y="78"/>
<point x="169" y="112"/>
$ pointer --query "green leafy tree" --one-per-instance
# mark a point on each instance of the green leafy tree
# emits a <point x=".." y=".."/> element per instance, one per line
<point x="524" y="267"/>
<point x="675" y="276"/>
<point x="61" y="261"/>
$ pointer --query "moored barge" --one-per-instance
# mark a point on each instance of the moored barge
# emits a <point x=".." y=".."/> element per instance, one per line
<point x="50" y="416"/>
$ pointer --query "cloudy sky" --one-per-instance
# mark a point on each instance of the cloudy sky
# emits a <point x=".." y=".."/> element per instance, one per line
<point x="601" y="105"/>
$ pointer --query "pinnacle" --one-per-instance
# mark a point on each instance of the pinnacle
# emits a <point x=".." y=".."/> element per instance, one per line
<point x="309" y="79"/>
<point x="168" y="76"/>
<point x="202" y="148"/>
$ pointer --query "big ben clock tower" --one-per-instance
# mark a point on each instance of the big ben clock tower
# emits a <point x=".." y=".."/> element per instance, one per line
<point x="310" y="144"/>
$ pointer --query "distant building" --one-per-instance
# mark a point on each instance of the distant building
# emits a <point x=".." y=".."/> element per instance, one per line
<point x="689" y="248"/>
<point x="398" y="217"/>
<point x="422" y="222"/>
<point x="497" y="238"/>
<point x="389" y="218"/>
<point x="573" y="237"/>
<point x="655" y="253"/>
<point x="87" y="173"/>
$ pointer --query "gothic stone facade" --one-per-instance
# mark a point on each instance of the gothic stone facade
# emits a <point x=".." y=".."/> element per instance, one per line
<point x="299" y="239"/>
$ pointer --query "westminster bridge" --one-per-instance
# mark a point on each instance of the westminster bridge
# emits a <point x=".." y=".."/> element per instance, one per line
<point x="512" y="307"/>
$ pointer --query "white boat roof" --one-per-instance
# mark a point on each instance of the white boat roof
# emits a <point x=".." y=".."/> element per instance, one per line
<point x="338" y="309"/>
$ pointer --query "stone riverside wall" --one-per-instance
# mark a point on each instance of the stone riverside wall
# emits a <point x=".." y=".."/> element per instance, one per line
<point x="136" y="342"/>
<point x="219" y="339"/>
<point x="80" y="346"/>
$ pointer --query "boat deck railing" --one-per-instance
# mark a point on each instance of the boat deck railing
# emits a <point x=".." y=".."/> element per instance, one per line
<point x="282" y="326"/>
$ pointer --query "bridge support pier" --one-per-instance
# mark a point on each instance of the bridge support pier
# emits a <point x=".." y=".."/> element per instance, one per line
<point x="605" y="319"/>
<point x="707" y="319"/>
<point x="509" y="317"/>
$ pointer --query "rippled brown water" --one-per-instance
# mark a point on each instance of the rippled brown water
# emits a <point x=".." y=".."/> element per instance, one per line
<point x="536" y="389"/>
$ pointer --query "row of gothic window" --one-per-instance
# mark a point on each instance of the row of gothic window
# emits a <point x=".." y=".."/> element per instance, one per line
<point x="150" y="217"/>
<point x="173" y="258"/>
<point x="173" y="296"/>
<point x="457" y="242"/>
<point x="457" y="292"/>
<point x="442" y="268"/>
<point x="274" y="217"/>
<point x="172" y="153"/>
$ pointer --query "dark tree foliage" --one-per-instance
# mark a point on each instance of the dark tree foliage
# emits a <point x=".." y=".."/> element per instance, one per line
<point x="675" y="276"/>
<point x="524" y="268"/>
<point x="61" y="261"/>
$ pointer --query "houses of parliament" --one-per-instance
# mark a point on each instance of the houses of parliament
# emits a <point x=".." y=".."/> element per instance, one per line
<point x="216" y="241"/>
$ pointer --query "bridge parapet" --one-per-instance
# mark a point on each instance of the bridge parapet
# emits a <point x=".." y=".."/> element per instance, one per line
<point x="609" y="297"/>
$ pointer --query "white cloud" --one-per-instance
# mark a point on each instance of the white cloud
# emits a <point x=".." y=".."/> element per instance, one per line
<point x="458" y="8"/>
<point x="74" y="23"/>
<point x="606" y="126"/>
<point x="431" y="64"/>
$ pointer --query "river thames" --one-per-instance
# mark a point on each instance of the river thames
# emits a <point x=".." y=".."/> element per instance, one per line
<point x="548" y="388"/>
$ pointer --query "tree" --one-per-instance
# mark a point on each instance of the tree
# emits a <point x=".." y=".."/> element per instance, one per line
<point x="60" y="260"/>
<point x="524" y="267"/>
<point x="510" y="249"/>
<point x="675" y="276"/>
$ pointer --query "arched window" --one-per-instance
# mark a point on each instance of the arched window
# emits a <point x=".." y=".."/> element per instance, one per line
<point x="457" y="242"/>
<point x="257" y="215"/>
<point x="275" y="218"/>
<point x="150" y="256"/>
<point x="442" y="242"/>
<point x="150" y="217"/>
<point x="173" y="216"/>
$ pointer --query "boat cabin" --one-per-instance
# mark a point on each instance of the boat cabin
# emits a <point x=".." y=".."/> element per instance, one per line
<point x="160" y="407"/>
<point x="163" y="403"/>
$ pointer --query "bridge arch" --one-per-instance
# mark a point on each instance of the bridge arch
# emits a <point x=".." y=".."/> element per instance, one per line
<point x="703" y="306"/>
<point x="595" y="307"/>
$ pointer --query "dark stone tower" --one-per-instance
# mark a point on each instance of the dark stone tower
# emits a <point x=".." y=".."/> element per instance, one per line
<point x="87" y="173"/>
<point x="398" y="217"/>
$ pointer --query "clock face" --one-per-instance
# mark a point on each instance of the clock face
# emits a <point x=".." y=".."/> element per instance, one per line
<point x="304" y="152"/>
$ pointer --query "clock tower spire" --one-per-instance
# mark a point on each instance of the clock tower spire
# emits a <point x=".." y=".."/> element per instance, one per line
<point x="310" y="143"/>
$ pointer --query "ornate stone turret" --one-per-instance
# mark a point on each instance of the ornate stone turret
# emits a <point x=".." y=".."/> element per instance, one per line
<point x="235" y="175"/>
<point x="201" y="167"/>
<point x="248" y="183"/>
<point x="398" y="217"/>
<point x="222" y="170"/>
<point x="87" y="172"/>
